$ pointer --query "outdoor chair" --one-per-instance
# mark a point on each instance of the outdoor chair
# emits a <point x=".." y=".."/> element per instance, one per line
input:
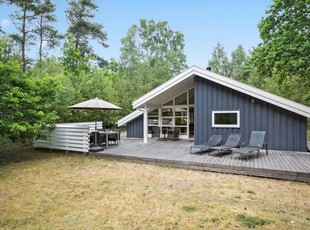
<point x="119" y="134"/>
<point x="256" y="143"/>
<point x="102" y="139"/>
<point x="113" y="137"/>
<point x="155" y="131"/>
<point x="173" y="134"/>
<point x="213" y="141"/>
<point x="231" y="142"/>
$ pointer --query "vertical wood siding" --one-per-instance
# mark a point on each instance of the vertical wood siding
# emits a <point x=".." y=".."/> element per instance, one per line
<point x="285" y="130"/>
<point x="135" y="128"/>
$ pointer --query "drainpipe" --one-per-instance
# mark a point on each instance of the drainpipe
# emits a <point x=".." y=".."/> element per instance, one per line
<point x="145" y="124"/>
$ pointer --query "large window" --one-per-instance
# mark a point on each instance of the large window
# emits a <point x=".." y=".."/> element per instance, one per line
<point x="226" y="119"/>
<point x="167" y="117"/>
<point x="174" y="114"/>
<point x="153" y="118"/>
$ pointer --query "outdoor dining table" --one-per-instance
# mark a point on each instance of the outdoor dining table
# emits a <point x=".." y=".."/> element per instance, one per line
<point x="110" y="133"/>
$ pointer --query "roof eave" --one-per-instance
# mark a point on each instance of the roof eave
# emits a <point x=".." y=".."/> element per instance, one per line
<point x="233" y="84"/>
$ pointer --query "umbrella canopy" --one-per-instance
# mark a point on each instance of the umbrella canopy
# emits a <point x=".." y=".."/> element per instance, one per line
<point x="95" y="104"/>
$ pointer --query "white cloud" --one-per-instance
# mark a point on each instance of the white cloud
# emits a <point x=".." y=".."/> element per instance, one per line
<point x="5" y="22"/>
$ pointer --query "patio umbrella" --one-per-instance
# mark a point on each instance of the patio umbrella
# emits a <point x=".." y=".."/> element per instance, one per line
<point x="95" y="104"/>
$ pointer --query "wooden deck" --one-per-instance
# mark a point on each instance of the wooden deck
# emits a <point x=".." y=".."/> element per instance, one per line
<point x="277" y="164"/>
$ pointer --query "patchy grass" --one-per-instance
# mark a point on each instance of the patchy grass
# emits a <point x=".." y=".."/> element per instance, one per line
<point x="214" y="219"/>
<point x="251" y="192"/>
<point x="250" y="221"/>
<point x="44" y="190"/>
<point x="189" y="208"/>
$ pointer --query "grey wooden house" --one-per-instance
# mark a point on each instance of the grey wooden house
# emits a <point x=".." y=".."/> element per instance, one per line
<point x="200" y="103"/>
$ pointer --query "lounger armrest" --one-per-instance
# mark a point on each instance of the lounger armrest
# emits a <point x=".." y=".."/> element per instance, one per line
<point x="243" y="144"/>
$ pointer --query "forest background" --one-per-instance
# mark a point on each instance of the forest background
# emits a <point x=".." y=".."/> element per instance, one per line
<point x="37" y="91"/>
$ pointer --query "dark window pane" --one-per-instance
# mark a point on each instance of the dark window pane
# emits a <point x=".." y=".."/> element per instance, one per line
<point x="153" y="112"/>
<point x="181" y="100"/>
<point x="191" y="97"/>
<point x="180" y="112"/>
<point x="167" y="112"/>
<point x="180" y="121"/>
<point x="152" y="121"/>
<point x="169" y="103"/>
<point x="225" y="118"/>
<point x="167" y="121"/>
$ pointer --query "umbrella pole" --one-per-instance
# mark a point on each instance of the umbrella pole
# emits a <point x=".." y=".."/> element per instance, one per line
<point x="96" y="133"/>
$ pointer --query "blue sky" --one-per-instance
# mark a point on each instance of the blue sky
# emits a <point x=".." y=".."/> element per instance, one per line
<point x="203" y="23"/>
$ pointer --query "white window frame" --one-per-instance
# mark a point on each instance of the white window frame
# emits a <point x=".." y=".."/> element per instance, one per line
<point x="226" y="125"/>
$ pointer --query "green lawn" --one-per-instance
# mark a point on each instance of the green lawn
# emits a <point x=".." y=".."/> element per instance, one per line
<point x="43" y="190"/>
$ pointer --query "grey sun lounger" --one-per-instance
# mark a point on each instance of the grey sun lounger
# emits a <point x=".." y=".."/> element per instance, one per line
<point x="231" y="142"/>
<point x="213" y="141"/>
<point x="256" y="143"/>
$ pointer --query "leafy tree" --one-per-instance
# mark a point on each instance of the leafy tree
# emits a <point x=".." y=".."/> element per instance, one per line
<point x="66" y="94"/>
<point x="237" y="64"/>
<point x="151" y="53"/>
<point x="9" y="49"/>
<point x="22" y="18"/>
<point x="102" y="84"/>
<point x="283" y="55"/>
<point x="219" y="62"/>
<point x="83" y="30"/>
<point x="46" y="32"/>
<point x="24" y="102"/>
<point x="153" y="42"/>
<point x="72" y="59"/>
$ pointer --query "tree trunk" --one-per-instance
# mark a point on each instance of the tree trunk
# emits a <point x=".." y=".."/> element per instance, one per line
<point x="23" y="42"/>
<point x="41" y="38"/>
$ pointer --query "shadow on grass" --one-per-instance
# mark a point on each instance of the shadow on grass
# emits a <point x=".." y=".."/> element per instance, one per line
<point x="26" y="153"/>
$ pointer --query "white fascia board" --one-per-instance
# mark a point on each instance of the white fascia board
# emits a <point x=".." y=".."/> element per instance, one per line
<point x="256" y="93"/>
<point x="123" y="121"/>
<point x="163" y="87"/>
<point x="230" y="83"/>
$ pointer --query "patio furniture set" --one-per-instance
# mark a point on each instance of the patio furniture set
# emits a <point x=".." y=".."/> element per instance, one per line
<point x="105" y="137"/>
<point x="232" y="145"/>
<point x="169" y="133"/>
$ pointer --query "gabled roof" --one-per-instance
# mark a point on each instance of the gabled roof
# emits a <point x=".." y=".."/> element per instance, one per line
<point x="185" y="80"/>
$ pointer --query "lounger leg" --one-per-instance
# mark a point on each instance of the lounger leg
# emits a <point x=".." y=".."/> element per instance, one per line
<point x="257" y="154"/>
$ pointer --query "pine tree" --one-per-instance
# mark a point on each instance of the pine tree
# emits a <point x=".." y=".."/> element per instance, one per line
<point x="45" y="31"/>
<point x="22" y="19"/>
<point x="82" y="28"/>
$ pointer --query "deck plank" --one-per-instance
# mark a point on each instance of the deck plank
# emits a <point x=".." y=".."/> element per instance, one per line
<point x="286" y="165"/>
